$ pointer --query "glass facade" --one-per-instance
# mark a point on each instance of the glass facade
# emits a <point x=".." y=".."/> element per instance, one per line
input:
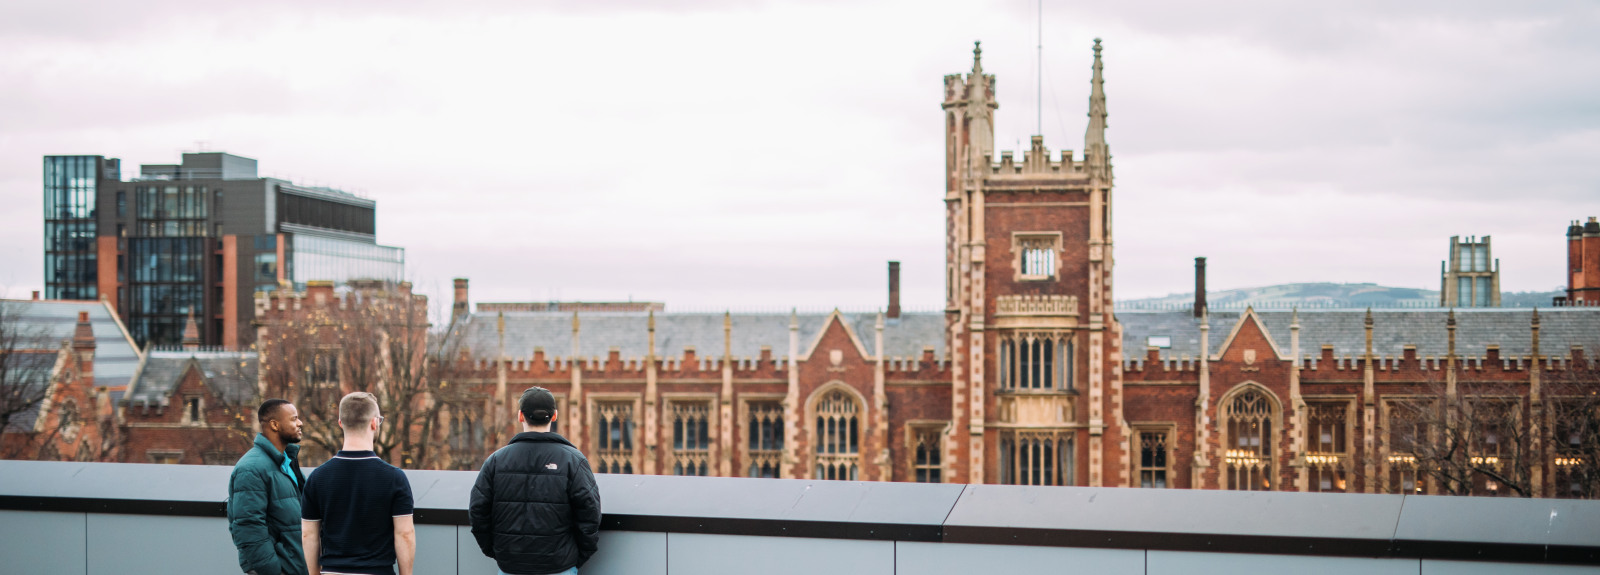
<point x="167" y="278"/>
<point x="315" y="258"/>
<point x="69" y="227"/>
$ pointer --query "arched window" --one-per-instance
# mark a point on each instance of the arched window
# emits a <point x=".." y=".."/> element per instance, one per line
<point x="838" y="432"/>
<point x="1247" y="418"/>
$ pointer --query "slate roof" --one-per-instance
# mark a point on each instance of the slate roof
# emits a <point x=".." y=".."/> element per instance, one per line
<point x="54" y="321"/>
<point x="1392" y="330"/>
<point x="628" y="331"/>
<point x="233" y="374"/>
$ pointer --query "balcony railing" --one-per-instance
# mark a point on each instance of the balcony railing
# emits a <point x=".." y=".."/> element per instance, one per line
<point x="58" y="517"/>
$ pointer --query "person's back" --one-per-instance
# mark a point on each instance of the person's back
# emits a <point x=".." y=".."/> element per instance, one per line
<point x="535" y="509"/>
<point x="357" y="508"/>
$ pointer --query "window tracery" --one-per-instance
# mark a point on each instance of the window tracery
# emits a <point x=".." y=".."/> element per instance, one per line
<point x="691" y="438"/>
<point x="1327" y="447"/>
<point x="838" y="436"/>
<point x="765" y="428"/>
<point x="1036" y="360"/>
<point x="614" y="437"/>
<point x="1036" y="458"/>
<point x="1248" y="453"/>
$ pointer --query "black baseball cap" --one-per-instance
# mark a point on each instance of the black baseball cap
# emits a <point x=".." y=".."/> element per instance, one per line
<point x="538" y="405"/>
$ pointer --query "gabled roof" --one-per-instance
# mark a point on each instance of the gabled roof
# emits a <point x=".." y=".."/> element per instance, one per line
<point x="628" y="332"/>
<point x="805" y="353"/>
<point x="1249" y="317"/>
<point x="232" y="375"/>
<point x="51" y="322"/>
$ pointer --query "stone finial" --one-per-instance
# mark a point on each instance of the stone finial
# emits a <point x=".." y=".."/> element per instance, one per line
<point x="1535" y="321"/>
<point x="191" y="333"/>
<point x="574" y="321"/>
<point x="977" y="58"/>
<point x="1096" y="153"/>
<point x="1368" y="321"/>
<point x="1294" y="317"/>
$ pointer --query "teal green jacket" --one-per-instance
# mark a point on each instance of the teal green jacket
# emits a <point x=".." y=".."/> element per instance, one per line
<point x="264" y="510"/>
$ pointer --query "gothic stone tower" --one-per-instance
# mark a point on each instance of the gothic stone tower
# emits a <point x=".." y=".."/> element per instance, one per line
<point x="1034" y="347"/>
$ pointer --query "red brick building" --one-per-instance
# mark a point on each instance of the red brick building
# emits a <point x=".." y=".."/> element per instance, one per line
<point x="1028" y="377"/>
<point x="64" y="366"/>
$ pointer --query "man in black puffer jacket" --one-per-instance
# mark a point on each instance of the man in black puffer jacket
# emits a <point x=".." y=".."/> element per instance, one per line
<point x="535" y="509"/>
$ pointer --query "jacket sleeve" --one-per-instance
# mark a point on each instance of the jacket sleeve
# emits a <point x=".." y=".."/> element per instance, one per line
<point x="247" y="522"/>
<point x="584" y="498"/>
<point x="480" y="510"/>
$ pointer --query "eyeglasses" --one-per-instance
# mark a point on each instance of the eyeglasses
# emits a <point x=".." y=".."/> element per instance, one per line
<point x="380" y="420"/>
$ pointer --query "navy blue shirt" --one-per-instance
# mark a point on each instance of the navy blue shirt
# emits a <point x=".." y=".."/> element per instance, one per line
<point x="356" y="497"/>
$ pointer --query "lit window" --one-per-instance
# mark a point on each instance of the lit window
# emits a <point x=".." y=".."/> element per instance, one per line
<point x="1327" y="460"/>
<point x="1248" y="445"/>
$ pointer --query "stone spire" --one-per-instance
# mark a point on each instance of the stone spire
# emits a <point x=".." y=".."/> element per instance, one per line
<point x="1095" y="151"/>
<point x="191" y="334"/>
<point x="977" y="58"/>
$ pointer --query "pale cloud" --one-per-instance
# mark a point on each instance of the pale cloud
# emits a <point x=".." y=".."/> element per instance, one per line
<point x="713" y="153"/>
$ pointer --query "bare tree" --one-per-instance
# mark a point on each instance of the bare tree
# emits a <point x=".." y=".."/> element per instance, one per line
<point x="27" y="358"/>
<point x="378" y="342"/>
<point x="1495" y="439"/>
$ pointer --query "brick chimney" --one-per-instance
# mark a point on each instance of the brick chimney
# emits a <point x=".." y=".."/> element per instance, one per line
<point x="191" y="334"/>
<point x="83" y="339"/>
<point x="894" y="290"/>
<point x="1583" y="257"/>
<point x="461" y="307"/>
<point x="1199" y="286"/>
<point x="35" y="295"/>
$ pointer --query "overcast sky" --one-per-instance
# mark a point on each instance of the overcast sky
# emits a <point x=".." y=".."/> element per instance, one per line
<point x="721" y="153"/>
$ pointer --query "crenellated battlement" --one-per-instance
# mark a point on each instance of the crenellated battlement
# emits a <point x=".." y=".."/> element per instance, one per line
<point x="1037" y="161"/>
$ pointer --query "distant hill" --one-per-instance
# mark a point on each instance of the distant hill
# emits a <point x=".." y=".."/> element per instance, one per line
<point x="1325" y="295"/>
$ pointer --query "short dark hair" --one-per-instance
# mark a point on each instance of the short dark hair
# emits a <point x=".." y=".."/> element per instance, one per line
<point x="269" y="408"/>
<point x="538" y="405"/>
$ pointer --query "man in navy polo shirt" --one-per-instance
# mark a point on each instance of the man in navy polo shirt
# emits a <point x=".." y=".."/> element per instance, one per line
<point x="356" y="509"/>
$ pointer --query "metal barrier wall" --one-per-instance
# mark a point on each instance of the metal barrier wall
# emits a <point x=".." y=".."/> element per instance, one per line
<point x="107" y="518"/>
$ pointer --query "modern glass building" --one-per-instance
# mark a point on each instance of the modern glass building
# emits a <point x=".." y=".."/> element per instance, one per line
<point x="71" y="267"/>
<point x="199" y="238"/>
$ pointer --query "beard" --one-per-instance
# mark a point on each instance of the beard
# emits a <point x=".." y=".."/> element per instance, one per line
<point x="295" y="438"/>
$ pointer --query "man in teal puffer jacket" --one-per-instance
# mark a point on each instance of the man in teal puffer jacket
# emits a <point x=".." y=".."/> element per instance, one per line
<point x="264" y="495"/>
